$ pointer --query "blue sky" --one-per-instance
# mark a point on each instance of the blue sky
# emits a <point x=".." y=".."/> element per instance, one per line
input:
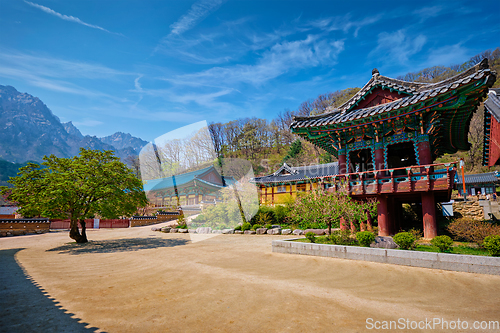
<point x="149" y="67"/>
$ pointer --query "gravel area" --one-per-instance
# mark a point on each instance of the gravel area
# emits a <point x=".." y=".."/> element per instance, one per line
<point x="137" y="280"/>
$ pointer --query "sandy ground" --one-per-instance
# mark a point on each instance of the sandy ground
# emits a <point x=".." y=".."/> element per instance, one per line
<point x="137" y="280"/>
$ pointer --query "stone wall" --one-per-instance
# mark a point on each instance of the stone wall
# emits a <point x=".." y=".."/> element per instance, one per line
<point x="13" y="227"/>
<point x="469" y="208"/>
<point x="445" y="261"/>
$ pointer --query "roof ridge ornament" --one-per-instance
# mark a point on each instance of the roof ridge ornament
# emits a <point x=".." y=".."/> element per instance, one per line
<point x="375" y="72"/>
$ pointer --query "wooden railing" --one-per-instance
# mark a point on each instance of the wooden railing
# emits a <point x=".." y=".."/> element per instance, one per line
<point x="418" y="178"/>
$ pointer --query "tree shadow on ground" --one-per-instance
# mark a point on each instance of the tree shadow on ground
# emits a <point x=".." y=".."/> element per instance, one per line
<point x="119" y="245"/>
<point x="25" y="305"/>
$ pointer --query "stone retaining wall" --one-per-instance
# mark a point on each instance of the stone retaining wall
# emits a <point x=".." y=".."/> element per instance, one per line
<point x="450" y="262"/>
<point x="469" y="208"/>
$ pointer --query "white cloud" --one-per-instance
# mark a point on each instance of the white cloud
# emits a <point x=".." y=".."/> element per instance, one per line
<point x="397" y="46"/>
<point x="198" y="12"/>
<point x="428" y="12"/>
<point x="281" y="58"/>
<point x="67" y="18"/>
<point x="343" y="23"/>
<point x="447" y="55"/>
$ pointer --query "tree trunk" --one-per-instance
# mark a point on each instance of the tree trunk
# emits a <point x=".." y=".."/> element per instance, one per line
<point x="84" y="231"/>
<point x="74" y="232"/>
<point x="369" y="221"/>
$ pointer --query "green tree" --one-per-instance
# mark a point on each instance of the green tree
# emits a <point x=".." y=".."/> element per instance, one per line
<point x="294" y="150"/>
<point x="93" y="183"/>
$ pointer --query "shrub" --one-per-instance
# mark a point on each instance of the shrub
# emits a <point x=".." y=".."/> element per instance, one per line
<point x="238" y="227"/>
<point x="256" y="226"/>
<point x="342" y="237"/>
<point x="268" y="226"/>
<point x="311" y="236"/>
<point x="365" y="238"/>
<point x="492" y="244"/>
<point x="443" y="242"/>
<point x="472" y="230"/>
<point x="405" y="240"/>
<point x="282" y="213"/>
<point x="246" y="226"/>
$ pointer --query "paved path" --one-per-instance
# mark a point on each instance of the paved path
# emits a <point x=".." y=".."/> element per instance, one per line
<point x="136" y="280"/>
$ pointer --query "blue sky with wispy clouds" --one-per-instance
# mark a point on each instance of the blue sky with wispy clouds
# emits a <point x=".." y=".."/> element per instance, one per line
<point x="148" y="67"/>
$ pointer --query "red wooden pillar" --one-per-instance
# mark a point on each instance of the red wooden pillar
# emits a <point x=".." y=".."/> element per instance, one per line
<point x="343" y="224"/>
<point x="424" y="153"/>
<point x="379" y="159"/>
<point x="272" y="195"/>
<point x="429" y="214"/>
<point x="342" y="163"/>
<point x="383" y="216"/>
<point x="265" y="195"/>
<point x="291" y="189"/>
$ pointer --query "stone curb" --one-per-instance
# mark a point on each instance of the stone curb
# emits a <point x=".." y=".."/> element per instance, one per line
<point x="445" y="261"/>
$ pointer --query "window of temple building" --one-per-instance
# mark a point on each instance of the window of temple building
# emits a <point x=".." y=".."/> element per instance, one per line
<point x="401" y="155"/>
<point x="360" y="160"/>
<point x="301" y="187"/>
<point x="281" y="188"/>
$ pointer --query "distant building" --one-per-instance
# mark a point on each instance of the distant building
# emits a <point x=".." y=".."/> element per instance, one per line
<point x="190" y="188"/>
<point x="287" y="181"/>
<point x="479" y="184"/>
<point x="7" y="209"/>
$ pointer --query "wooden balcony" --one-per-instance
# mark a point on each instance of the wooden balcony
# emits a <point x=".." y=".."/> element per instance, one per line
<point x="421" y="178"/>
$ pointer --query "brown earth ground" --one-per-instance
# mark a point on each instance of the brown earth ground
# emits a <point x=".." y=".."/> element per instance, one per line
<point x="137" y="280"/>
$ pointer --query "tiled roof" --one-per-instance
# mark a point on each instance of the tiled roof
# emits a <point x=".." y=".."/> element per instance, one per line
<point x="492" y="104"/>
<point x="480" y="178"/>
<point x="290" y="174"/>
<point x="419" y="92"/>
<point x="181" y="179"/>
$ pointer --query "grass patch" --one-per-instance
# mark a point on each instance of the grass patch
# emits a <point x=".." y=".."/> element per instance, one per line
<point x="460" y="248"/>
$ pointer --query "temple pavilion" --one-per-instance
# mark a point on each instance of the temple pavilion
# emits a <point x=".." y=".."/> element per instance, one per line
<point x="188" y="189"/>
<point x="386" y="138"/>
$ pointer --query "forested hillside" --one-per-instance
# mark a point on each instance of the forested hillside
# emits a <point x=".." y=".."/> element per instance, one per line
<point x="267" y="144"/>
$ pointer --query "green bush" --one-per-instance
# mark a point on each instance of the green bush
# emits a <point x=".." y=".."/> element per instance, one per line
<point x="268" y="226"/>
<point x="443" y="242"/>
<point x="246" y="226"/>
<point x="342" y="237"/>
<point x="405" y="240"/>
<point x="365" y="238"/>
<point x="492" y="244"/>
<point x="256" y="226"/>
<point x="311" y="236"/>
<point x="238" y="227"/>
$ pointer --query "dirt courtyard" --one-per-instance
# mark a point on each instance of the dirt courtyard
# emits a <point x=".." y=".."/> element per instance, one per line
<point x="137" y="280"/>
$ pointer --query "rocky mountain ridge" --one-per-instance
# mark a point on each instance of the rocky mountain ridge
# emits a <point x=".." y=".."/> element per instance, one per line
<point x="29" y="130"/>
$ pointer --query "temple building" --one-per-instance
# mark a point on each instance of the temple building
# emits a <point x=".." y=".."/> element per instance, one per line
<point x="491" y="147"/>
<point x="387" y="136"/>
<point x="276" y="188"/>
<point x="479" y="184"/>
<point x="187" y="189"/>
